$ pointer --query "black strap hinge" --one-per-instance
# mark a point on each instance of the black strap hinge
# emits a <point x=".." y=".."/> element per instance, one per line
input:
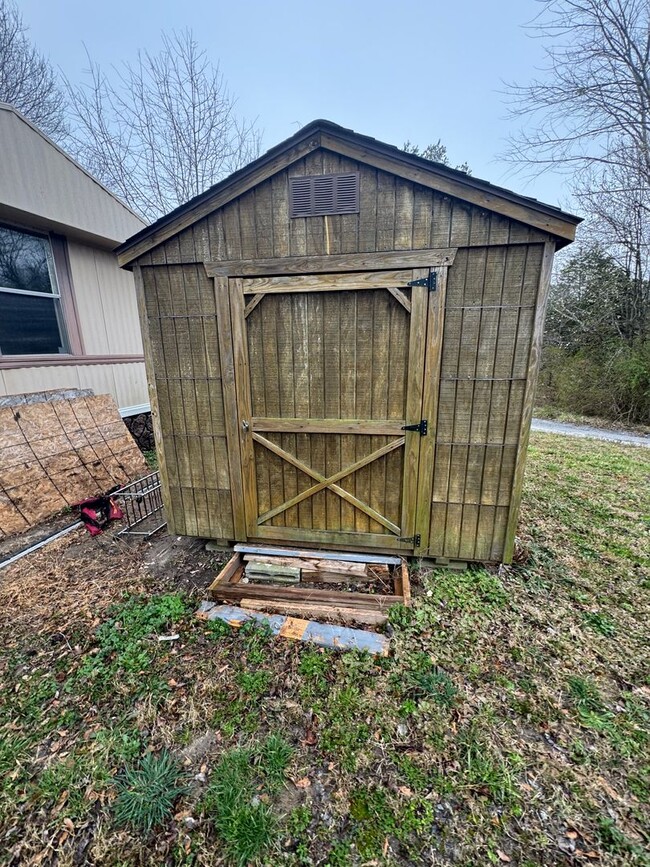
<point x="411" y="540"/>
<point x="431" y="281"/>
<point x="422" y="427"/>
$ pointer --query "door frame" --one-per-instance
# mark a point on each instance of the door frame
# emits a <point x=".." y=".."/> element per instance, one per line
<point x="426" y="318"/>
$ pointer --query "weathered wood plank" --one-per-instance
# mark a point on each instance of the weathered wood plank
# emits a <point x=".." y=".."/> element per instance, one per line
<point x="226" y="354"/>
<point x="369" y="261"/>
<point x="416" y="372"/>
<point x="326" y="282"/>
<point x="527" y="412"/>
<point x="318" y="555"/>
<point x="430" y="394"/>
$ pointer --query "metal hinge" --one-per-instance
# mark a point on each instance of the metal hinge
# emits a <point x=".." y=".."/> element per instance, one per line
<point x="430" y="281"/>
<point x="412" y="540"/>
<point x="422" y="427"/>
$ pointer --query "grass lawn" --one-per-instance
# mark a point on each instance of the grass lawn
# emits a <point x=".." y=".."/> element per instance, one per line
<point x="510" y="725"/>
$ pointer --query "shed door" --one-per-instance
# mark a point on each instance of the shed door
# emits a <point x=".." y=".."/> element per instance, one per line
<point x="329" y="368"/>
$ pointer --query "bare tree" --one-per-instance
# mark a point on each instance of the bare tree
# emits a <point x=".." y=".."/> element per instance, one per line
<point x="27" y="80"/>
<point x="591" y="103"/>
<point x="589" y="113"/>
<point x="162" y="130"/>
<point x="617" y="200"/>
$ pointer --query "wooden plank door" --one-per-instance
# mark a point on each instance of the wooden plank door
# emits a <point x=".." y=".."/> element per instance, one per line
<point x="328" y="370"/>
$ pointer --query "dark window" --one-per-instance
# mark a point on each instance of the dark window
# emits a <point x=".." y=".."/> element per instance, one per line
<point x="31" y="322"/>
<point x="317" y="195"/>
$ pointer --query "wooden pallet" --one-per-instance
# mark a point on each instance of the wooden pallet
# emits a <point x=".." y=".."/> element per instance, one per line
<point x="303" y="599"/>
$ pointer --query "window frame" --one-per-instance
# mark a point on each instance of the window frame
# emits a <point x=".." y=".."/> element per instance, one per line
<point x="62" y="294"/>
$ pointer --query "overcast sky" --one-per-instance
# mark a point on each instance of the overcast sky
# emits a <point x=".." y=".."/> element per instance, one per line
<point x="392" y="70"/>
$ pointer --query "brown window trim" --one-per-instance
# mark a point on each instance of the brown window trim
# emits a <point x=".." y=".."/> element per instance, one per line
<point x="10" y="362"/>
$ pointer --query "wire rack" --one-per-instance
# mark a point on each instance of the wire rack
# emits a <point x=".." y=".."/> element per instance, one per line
<point x="142" y="505"/>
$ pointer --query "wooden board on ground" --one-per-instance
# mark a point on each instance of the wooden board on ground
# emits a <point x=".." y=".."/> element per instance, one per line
<point x="305" y="598"/>
<point x="297" y="629"/>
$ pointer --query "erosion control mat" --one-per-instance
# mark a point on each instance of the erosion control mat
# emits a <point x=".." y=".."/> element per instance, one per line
<point x="57" y="452"/>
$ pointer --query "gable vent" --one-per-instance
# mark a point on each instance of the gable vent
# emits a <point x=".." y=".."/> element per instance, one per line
<point x="316" y="195"/>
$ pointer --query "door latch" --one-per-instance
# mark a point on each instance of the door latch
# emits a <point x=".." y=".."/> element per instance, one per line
<point x="245" y="426"/>
<point x="411" y="540"/>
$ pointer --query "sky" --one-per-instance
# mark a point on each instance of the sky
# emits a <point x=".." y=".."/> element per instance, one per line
<point x="396" y="70"/>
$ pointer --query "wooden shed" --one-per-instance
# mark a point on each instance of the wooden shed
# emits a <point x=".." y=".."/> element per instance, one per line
<point x="342" y="343"/>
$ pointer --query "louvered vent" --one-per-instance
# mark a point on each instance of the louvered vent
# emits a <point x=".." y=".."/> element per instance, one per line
<point x="316" y="195"/>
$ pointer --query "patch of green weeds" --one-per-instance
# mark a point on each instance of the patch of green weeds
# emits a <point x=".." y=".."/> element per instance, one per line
<point x="313" y="669"/>
<point x="374" y="820"/>
<point x="484" y="769"/>
<point x="119" y="746"/>
<point x="218" y="629"/>
<point x="599" y="622"/>
<point x="297" y="828"/>
<point x="340" y="855"/>
<point x="415" y="821"/>
<point x="400" y="616"/>
<point x="639" y="784"/>
<point x="12" y="751"/>
<point x="147" y="792"/>
<point x="588" y="702"/>
<point x="151" y="458"/>
<point x="415" y="776"/>
<point x="28" y="701"/>
<point x="274" y="757"/>
<point x="246" y="825"/>
<point x="475" y="590"/>
<point x="613" y="840"/>
<point x="407" y="708"/>
<point x="65" y="782"/>
<point x="256" y="637"/>
<point x="253" y="683"/>
<point x="235" y="714"/>
<point x="425" y="680"/>
<point x="127" y="646"/>
<point x="344" y="729"/>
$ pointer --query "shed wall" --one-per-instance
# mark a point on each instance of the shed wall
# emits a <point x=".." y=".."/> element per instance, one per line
<point x="185" y="371"/>
<point x="489" y="321"/>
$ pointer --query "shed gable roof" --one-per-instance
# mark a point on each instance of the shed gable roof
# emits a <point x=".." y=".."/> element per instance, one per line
<point x="345" y="142"/>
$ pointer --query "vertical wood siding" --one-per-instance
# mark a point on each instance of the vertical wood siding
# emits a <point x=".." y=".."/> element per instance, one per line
<point x="491" y="299"/>
<point x="182" y="326"/>
<point x="490" y="315"/>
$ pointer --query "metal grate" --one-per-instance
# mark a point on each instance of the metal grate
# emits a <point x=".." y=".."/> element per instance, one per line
<point x="318" y="195"/>
<point x="142" y="504"/>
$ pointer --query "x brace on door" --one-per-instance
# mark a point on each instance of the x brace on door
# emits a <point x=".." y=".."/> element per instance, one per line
<point x="330" y="483"/>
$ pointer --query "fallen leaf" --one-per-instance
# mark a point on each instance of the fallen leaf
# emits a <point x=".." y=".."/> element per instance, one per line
<point x="593" y="855"/>
<point x="404" y="790"/>
<point x="303" y="783"/>
<point x="572" y="835"/>
<point x="69" y="824"/>
<point x="503" y="857"/>
<point x="310" y="738"/>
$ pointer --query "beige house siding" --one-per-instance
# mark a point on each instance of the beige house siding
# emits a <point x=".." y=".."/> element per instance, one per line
<point x="126" y="382"/>
<point x="43" y="187"/>
<point x="105" y="300"/>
